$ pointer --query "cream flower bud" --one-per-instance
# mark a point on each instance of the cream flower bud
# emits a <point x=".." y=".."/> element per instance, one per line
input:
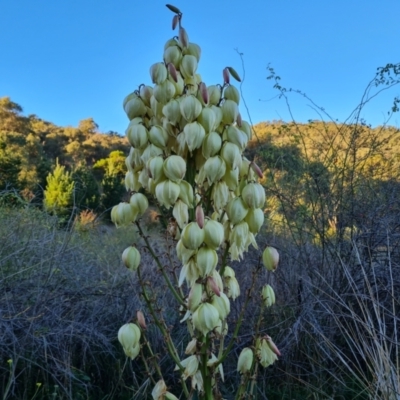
<point x="207" y="260"/>
<point x="190" y="108"/>
<point x="236" y="210"/>
<point x="195" y="295"/>
<point x="247" y="129"/>
<point x="129" y="337"/>
<point x="268" y="295"/>
<point x="229" y="272"/>
<point x="264" y="352"/>
<point x="232" y="287"/>
<point x="156" y="108"/>
<point x="231" y="154"/>
<point x="145" y="93"/>
<point x="246" y="170"/>
<point x="191" y="365"/>
<point x="255" y="219"/>
<point x="139" y="202"/>
<point x="183" y="253"/>
<point x="231" y="93"/>
<point x="134" y="106"/>
<point x="155" y="169"/>
<point x="245" y="360"/>
<point x="158" y="136"/>
<point x="172" y="111"/>
<point x="220" y="195"/>
<point x="158" y="73"/>
<point x="194" y="135"/>
<point x="164" y="92"/>
<point x="189" y="272"/>
<point x="205" y="318"/>
<point x="207" y="119"/>
<point x="179" y="85"/>
<point x="167" y="193"/>
<point x="194" y="50"/>
<point x="137" y="135"/>
<point x="218" y="115"/>
<point x="191" y="347"/>
<point x="214" y="169"/>
<point x="212" y="144"/>
<point x="159" y="390"/>
<point x="186" y="193"/>
<point x="188" y="66"/>
<point x="253" y="194"/>
<point x="236" y="136"/>
<point x="173" y="55"/>
<point x="131" y="258"/>
<point x="213" y="234"/>
<point x="181" y="213"/>
<point x="214" y="94"/>
<point x="123" y="214"/>
<point x="222" y="304"/>
<point x="131" y="181"/>
<point x="230" y="112"/>
<point x="174" y="168"/>
<point x="150" y="151"/>
<point x="192" y="236"/>
<point x="270" y="258"/>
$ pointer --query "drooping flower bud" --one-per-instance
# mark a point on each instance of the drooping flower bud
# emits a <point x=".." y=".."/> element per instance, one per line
<point x="222" y="304"/>
<point x="211" y="144"/>
<point x="205" y="318"/>
<point x="192" y="236"/>
<point x="129" y="337"/>
<point x="139" y="202"/>
<point x="220" y="195"/>
<point x="181" y="213"/>
<point x="188" y="66"/>
<point x="173" y="55"/>
<point x="236" y="210"/>
<point x="230" y="112"/>
<point x="158" y="73"/>
<point x="191" y="347"/>
<point x="145" y="93"/>
<point x="155" y="169"/>
<point x="207" y="260"/>
<point x="257" y="169"/>
<point x="225" y="75"/>
<point x="265" y="355"/>
<point x="194" y="135"/>
<point x="270" y="258"/>
<point x="231" y="154"/>
<point x="214" y="169"/>
<point x="253" y="194"/>
<point x="167" y="193"/>
<point x="123" y="214"/>
<point x="268" y="295"/>
<point x="207" y="119"/>
<point x="195" y="295"/>
<point x="174" y="168"/>
<point x="245" y="360"/>
<point x="134" y="106"/>
<point x="137" y="135"/>
<point x="131" y="258"/>
<point x="231" y="93"/>
<point x="172" y="111"/>
<point x="164" y="91"/>
<point x="194" y="50"/>
<point x="186" y="193"/>
<point x="212" y="284"/>
<point x="255" y="220"/>
<point x="203" y="93"/>
<point x="213" y="234"/>
<point x="236" y="136"/>
<point x="190" y="108"/>
<point x="159" y="390"/>
<point x="214" y="94"/>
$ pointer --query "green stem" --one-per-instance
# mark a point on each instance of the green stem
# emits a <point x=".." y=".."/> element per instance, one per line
<point x="160" y="266"/>
<point x="163" y="329"/>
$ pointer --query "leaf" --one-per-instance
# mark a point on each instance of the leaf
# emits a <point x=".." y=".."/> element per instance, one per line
<point x="173" y="9"/>
<point x="234" y="74"/>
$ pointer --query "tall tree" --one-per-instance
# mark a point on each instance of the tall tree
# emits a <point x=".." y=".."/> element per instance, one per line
<point x="58" y="196"/>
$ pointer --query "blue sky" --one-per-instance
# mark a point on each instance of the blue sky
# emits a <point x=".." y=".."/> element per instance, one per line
<point x="67" y="60"/>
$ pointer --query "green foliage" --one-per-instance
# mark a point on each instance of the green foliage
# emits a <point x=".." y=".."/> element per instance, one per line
<point x="59" y="193"/>
<point x="86" y="188"/>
